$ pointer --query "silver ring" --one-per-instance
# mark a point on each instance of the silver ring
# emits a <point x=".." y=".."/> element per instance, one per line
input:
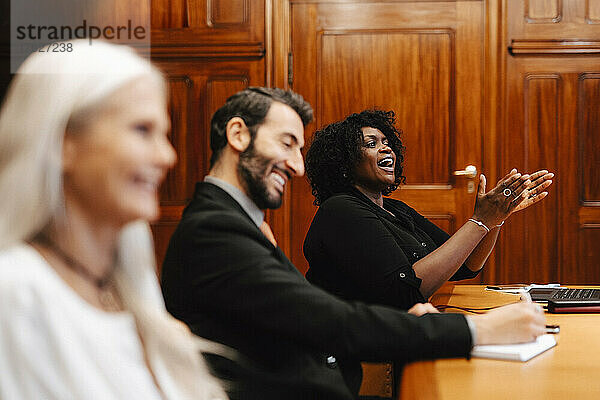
<point x="507" y="192"/>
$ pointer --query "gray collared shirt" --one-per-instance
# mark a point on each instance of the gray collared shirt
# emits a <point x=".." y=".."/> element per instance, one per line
<point x="243" y="200"/>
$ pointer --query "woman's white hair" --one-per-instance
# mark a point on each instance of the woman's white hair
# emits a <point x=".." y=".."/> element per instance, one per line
<point x="48" y="91"/>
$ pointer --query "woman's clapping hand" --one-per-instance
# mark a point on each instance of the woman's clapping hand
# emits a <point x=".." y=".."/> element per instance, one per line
<point x="514" y="192"/>
<point x="540" y="181"/>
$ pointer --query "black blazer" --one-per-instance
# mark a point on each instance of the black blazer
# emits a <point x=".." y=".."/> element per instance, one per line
<point x="224" y="279"/>
<point x="359" y="251"/>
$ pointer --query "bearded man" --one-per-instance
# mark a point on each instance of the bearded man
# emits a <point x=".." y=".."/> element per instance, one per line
<point x="227" y="279"/>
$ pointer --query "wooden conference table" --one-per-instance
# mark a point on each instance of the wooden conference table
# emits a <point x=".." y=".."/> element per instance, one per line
<point x="571" y="370"/>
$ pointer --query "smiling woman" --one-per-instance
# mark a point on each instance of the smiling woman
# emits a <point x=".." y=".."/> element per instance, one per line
<point x="116" y="157"/>
<point x="83" y="149"/>
<point x="375" y="171"/>
<point x="362" y="246"/>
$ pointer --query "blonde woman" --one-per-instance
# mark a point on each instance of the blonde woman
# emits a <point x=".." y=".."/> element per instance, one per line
<point x="83" y="149"/>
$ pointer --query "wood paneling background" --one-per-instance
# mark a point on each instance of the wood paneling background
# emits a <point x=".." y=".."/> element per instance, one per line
<point x="208" y="49"/>
<point x="421" y="59"/>
<point x="491" y="83"/>
<point x="495" y="83"/>
<point x="550" y="120"/>
<point x="414" y="64"/>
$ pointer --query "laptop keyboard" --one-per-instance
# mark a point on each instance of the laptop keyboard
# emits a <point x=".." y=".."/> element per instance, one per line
<point x="568" y="294"/>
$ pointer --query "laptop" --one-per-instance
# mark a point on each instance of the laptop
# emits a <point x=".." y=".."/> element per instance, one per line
<point x="568" y="300"/>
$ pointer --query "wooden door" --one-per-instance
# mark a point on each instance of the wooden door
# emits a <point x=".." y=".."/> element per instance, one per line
<point x="421" y="59"/>
<point x="552" y="121"/>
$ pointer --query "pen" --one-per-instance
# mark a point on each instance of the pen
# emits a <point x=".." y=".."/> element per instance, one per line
<point x="513" y="287"/>
<point x="552" y="329"/>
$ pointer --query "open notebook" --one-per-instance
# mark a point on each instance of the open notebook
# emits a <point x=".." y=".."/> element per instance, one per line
<point x="515" y="352"/>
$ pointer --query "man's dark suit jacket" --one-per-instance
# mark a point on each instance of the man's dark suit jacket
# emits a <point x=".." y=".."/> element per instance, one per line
<point x="223" y="278"/>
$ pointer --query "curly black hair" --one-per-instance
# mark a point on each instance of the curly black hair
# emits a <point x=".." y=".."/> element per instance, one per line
<point x="336" y="150"/>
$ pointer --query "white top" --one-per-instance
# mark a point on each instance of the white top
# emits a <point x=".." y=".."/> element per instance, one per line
<point x="55" y="345"/>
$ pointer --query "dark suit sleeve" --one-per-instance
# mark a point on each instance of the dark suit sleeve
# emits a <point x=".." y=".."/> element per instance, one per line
<point x="439" y="237"/>
<point x="228" y="272"/>
<point x="363" y="250"/>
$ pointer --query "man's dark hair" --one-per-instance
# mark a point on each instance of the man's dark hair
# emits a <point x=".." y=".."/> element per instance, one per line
<point x="336" y="150"/>
<point x="252" y="105"/>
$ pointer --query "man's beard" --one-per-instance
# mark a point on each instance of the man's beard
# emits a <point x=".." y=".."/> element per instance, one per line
<point x="252" y="168"/>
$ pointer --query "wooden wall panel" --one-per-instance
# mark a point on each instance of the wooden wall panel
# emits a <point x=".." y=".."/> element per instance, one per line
<point x="229" y="13"/>
<point x="203" y="14"/>
<point x="543" y="11"/>
<point x="208" y="49"/>
<point x="162" y="232"/>
<point x="169" y="14"/>
<point x="589" y="138"/>
<point x="541" y="98"/>
<point x="529" y="254"/>
<point x="201" y="23"/>
<point x="176" y="187"/>
<point x="120" y="12"/>
<point x="423" y="71"/>
<point x="193" y="100"/>
<point x="592" y="11"/>
<point x="219" y="88"/>
<point x="552" y="101"/>
<point x="197" y="90"/>
<point x="552" y="19"/>
<point x="588" y="270"/>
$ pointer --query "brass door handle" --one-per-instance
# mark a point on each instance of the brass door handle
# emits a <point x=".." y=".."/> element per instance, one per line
<point x="470" y="171"/>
